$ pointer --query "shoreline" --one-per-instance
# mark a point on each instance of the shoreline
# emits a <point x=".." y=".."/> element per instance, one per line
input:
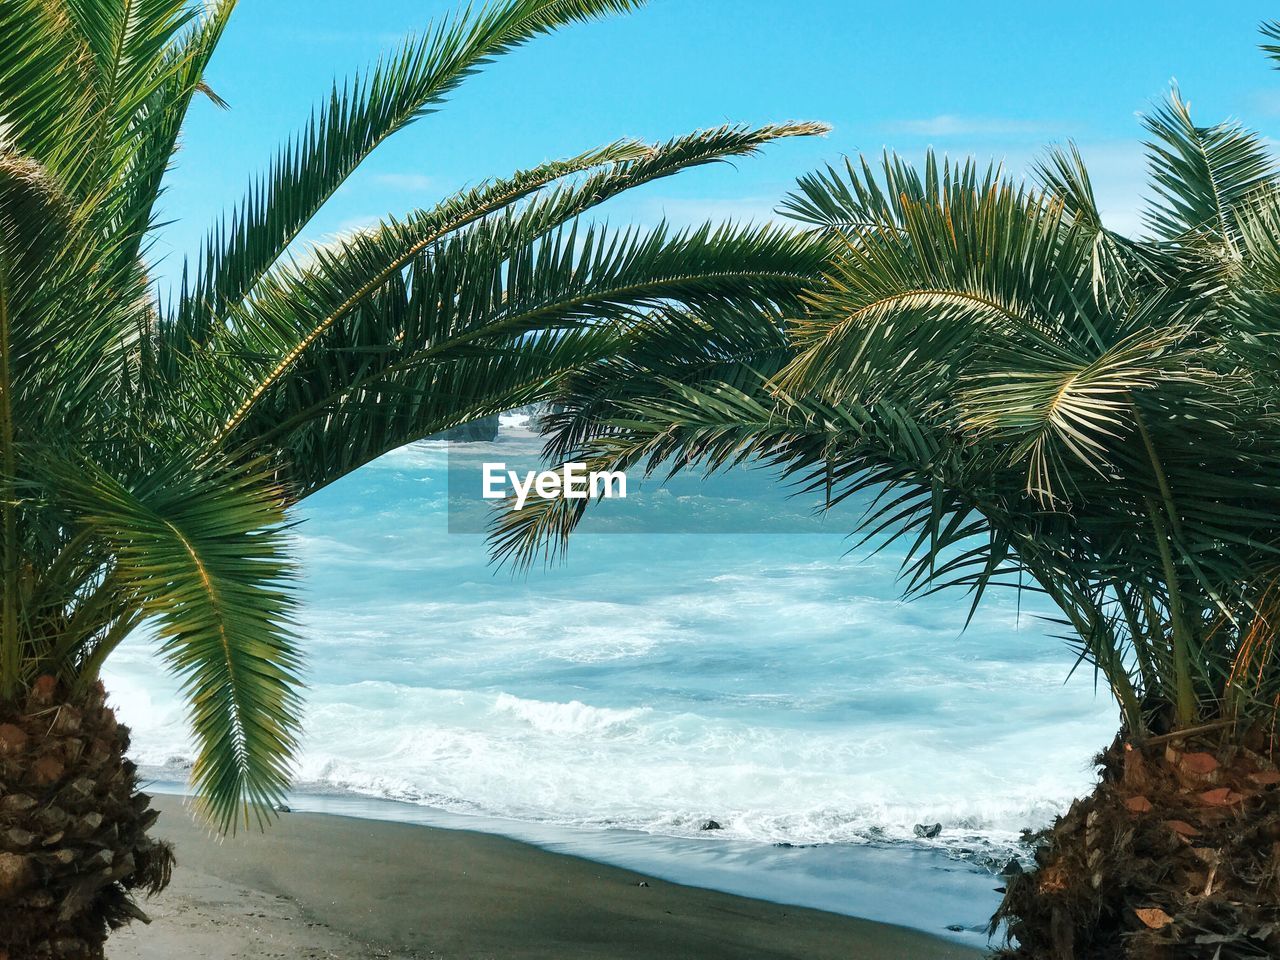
<point x="915" y="885"/>
<point x="323" y="885"/>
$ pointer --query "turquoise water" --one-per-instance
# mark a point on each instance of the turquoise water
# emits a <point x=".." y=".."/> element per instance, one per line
<point x="772" y="682"/>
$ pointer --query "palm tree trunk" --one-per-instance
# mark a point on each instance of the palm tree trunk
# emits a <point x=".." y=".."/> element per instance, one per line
<point x="73" y="842"/>
<point x="1175" y="856"/>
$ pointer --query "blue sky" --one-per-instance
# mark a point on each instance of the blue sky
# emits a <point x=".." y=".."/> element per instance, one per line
<point x="999" y="80"/>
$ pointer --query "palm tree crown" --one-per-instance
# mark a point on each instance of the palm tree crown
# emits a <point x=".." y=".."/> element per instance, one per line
<point x="1023" y="396"/>
<point x="150" y="448"/>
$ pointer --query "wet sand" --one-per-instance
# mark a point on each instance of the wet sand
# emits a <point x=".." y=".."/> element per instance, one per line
<point x="319" y="886"/>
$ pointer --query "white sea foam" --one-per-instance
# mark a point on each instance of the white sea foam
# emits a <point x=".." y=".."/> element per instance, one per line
<point x="574" y="718"/>
<point x="666" y="773"/>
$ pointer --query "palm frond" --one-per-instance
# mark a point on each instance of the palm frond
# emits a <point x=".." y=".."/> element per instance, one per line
<point x="342" y="277"/>
<point x="1202" y="175"/>
<point x="45" y="90"/>
<point x="491" y="321"/>
<point x="401" y="88"/>
<point x="153" y="135"/>
<point x="1049" y="409"/>
<point x="204" y="551"/>
<point x="1270" y="29"/>
<point x="950" y="269"/>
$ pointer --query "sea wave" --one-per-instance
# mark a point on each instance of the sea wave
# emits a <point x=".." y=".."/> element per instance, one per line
<point x="573" y="718"/>
<point x="572" y="763"/>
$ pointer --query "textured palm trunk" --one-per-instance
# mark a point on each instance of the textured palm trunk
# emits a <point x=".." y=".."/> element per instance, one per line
<point x="1175" y="856"/>
<point x="73" y="841"/>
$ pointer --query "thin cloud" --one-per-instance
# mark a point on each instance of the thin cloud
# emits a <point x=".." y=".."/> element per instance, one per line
<point x="1266" y="102"/>
<point x="404" y="181"/>
<point x="953" y="125"/>
<point x="689" y="211"/>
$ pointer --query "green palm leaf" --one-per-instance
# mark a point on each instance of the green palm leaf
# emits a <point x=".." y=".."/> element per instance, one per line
<point x="341" y="278"/>
<point x="400" y="89"/>
<point x="1202" y="175"/>
<point x="203" y="552"/>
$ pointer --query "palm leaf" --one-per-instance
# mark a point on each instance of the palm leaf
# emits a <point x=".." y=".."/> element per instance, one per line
<point x="204" y="551"/>
<point x="1201" y="175"/>
<point x="487" y="324"/>
<point x="344" y="276"/>
<point x="357" y="118"/>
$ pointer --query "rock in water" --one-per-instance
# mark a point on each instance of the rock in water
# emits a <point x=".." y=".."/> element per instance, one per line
<point x="710" y="825"/>
<point x="928" y="831"/>
<point x="1012" y="869"/>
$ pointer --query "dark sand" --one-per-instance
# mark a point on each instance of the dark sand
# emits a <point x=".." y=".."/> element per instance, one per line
<point x="317" y="886"/>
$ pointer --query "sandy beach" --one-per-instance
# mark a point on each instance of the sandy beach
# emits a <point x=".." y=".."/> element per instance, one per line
<point x="319" y="886"/>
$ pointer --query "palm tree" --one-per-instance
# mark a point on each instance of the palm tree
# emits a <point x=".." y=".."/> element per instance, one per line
<point x="1024" y="397"/>
<point x="151" y="446"/>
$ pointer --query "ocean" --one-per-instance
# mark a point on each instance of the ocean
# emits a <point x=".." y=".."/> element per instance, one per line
<point x="767" y="677"/>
